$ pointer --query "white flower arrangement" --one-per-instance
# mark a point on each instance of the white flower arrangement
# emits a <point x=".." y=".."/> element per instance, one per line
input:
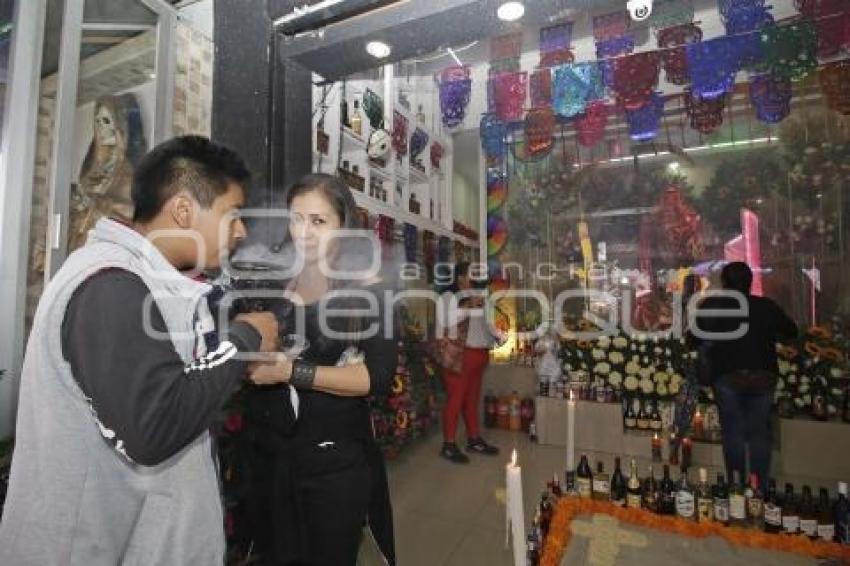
<point x="631" y="383"/>
<point x="780" y="384"/>
<point x="674" y="387"/>
<point x="620" y="342"/>
<point x="804" y="388"/>
<point x="784" y="367"/>
<point x="676" y="378"/>
<point x="798" y="403"/>
<point x="836" y="392"/>
<point x="661" y="377"/>
<point x="616" y="357"/>
<point x="615" y="379"/>
<point x="657" y="351"/>
<point x="668" y="352"/>
<point x="836" y="373"/>
<point x="632" y="368"/>
<point x="597" y="354"/>
<point x="647" y="386"/>
<point x="807" y="399"/>
<point x="792" y="378"/>
<point x="642" y="349"/>
<point x="661" y="389"/>
<point x="604" y="342"/>
<point x="805" y="380"/>
<point x="645" y="373"/>
<point x="602" y="368"/>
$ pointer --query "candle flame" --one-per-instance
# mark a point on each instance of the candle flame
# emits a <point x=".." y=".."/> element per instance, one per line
<point x="572" y="395"/>
<point x="655" y="436"/>
<point x="513" y="458"/>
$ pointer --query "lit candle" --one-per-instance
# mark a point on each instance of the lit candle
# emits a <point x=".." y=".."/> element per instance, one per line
<point x="515" y="514"/>
<point x="687" y="445"/>
<point x="699" y="424"/>
<point x="674" y="450"/>
<point x="656" y="448"/>
<point x="571" y="433"/>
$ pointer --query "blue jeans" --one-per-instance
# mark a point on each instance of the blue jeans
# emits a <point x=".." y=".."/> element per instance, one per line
<point x="745" y="420"/>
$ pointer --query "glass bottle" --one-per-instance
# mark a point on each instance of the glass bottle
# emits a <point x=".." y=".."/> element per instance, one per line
<point x="755" y="502"/>
<point x="826" y="522"/>
<point x="633" y="491"/>
<point x="618" y="485"/>
<point x="841" y="515"/>
<point x="601" y="487"/>
<point x="685" y="498"/>
<point x="721" y="500"/>
<point x="705" y="501"/>
<point x="655" y="418"/>
<point x="819" y="402"/>
<point x="631" y="417"/>
<point x="790" y="513"/>
<point x="737" y="501"/>
<point x="808" y="514"/>
<point x="642" y="417"/>
<point x="584" y="478"/>
<point x="650" y="492"/>
<point x="667" y="505"/>
<point x="772" y="509"/>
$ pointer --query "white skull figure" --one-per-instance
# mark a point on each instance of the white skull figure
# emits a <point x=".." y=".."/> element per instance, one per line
<point x="548" y="366"/>
<point x="105" y="130"/>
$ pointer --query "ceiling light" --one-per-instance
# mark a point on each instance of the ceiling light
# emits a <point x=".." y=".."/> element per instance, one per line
<point x="674" y="166"/>
<point x="378" y="49"/>
<point x="511" y="11"/>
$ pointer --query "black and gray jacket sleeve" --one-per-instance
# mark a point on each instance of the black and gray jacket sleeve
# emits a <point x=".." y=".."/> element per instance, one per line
<point x="148" y="403"/>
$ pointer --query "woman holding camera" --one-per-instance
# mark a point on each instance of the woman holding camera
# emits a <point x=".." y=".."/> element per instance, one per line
<point x="318" y="473"/>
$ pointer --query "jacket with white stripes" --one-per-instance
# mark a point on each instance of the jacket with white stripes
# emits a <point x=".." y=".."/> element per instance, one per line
<point x="149" y="403"/>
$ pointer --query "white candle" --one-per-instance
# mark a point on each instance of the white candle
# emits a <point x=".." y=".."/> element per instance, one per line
<point x="515" y="514"/>
<point x="571" y="433"/>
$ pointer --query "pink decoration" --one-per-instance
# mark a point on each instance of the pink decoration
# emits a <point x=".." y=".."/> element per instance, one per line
<point x="747" y="248"/>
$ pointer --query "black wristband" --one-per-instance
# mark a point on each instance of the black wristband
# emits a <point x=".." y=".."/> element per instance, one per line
<point x="303" y="375"/>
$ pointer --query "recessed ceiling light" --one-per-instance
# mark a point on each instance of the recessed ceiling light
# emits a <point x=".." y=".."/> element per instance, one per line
<point x="378" y="49"/>
<point x="511" y="11"/>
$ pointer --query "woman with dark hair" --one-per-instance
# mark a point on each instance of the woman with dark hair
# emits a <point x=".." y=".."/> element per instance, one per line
<point x="318" y="474"/>
<point x="463" y="380"/>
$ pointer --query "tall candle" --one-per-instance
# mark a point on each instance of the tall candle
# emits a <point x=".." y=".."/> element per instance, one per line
<point x="687" y="446"/>
<point x="571" y="433"/>
<point x="515" y="514"/>
<point x="656" y="448"/>
<point x="699" y="424"/>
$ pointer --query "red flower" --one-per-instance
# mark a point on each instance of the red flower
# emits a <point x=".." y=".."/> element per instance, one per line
<point x="233" y="422"/>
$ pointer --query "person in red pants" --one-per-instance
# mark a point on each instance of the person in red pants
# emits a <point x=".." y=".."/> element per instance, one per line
<point x="463" y="388"/>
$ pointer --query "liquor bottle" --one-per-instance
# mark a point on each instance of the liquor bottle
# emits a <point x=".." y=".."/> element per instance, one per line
<point x="667" y="504"/>
<point x="633" y="493"/>
<point x="755" y="502"/>
<point x="826" y="522"/>
<point x="655" y="418"/>
<point x="790" y="514"/>
<point x="737" y="501"/>
<point x="546" y="511"/>
<point x="650" y="496"/>
<point x="631" y="417"/>
<point x="841" y="515"/>
<point x="642" y="417"/>
<point x="532" y="554"/>
<point x="772" y="509"/>
<point x="601" y="487"/>
<point x="514" y="413"/>
<point x="618" y="485"/>
<point x="357" y="119"/>
<point x="343" y="113"/>
<point x="819" y="403"/>
<point x="685" y="498"/>
<point x="721" y="500"/>
<point x="808" y="514"/>
<point x="705" y="501"/>
<point x="584" y="478"/>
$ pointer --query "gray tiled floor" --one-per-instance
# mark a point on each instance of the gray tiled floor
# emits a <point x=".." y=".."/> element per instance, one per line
<point x="453" y="515"/>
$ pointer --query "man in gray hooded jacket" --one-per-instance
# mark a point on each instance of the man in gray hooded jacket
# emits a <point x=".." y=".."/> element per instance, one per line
<point x="113" y="461"/>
